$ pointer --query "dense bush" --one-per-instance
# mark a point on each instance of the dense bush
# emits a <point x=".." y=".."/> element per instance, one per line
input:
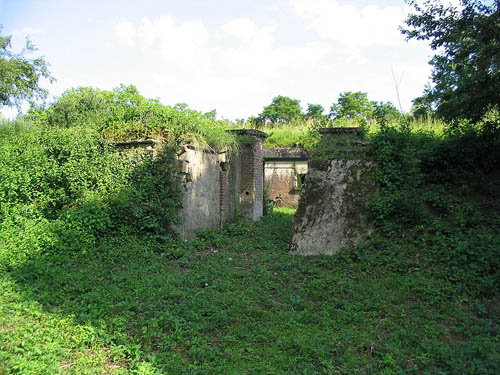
<point x="62" y="189"/>
<point x="124" y="114"/>
<point x="438" y="198"/>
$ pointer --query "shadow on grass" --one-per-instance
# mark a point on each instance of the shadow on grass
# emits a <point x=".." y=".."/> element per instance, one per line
<point x="162" y="304"/>
<point x="236" y="302"/>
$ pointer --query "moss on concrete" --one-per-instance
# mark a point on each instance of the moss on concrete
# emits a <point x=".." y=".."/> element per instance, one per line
<point x="341" y="179"/>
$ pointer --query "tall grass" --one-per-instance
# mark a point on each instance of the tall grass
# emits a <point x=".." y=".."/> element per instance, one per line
<point x="305" y="133"/>
<point x="286" y="136"/>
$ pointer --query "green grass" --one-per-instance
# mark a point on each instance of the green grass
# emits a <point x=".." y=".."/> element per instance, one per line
<point x="236" y="302"/>
<point x="287" y="136"/>
<point x="91" y="282"/>
<point x="304" y="133"/>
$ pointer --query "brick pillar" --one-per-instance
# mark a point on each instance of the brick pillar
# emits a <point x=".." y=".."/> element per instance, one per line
<point x="224" y="193"/>
<point x="251" y="194"/>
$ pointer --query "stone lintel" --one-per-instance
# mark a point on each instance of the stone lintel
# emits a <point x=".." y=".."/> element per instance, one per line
<point x="285" y="159"/>
<point x="284" y="152"/>
<point x="250" y="132"/>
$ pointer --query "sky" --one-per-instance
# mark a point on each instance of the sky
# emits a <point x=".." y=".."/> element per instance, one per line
<point x="230" y="55"/>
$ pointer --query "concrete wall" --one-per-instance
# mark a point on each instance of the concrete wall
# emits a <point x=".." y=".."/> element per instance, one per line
<point x="331" y="214"/>
<point x="203" y="186"/>
<point x="215" y="184"/>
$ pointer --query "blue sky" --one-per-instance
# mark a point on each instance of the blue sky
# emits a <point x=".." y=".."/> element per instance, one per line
<point x="229" y="55"/>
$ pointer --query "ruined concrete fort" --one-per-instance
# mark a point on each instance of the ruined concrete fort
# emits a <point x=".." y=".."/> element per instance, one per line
<point x="333" y="184"/>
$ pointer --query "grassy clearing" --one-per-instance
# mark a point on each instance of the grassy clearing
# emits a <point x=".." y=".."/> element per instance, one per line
<point x="238" y="303"/>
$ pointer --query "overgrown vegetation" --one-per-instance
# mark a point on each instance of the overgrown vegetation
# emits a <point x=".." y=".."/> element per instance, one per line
<point x="235" y="302"/>
<point x="62" y="189"/>
<point x="93" y="281"/>
<point x="305" y="133"/>
<point x="441" y="195"/>
<point x="352" y="109"/>
<point x="123" y="114"/>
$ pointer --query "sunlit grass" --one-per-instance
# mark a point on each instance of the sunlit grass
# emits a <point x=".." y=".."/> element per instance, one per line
<point x="287" y="136"/>
<point x="305" y="134"/>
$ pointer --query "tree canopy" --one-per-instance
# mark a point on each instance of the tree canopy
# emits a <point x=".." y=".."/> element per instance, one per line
<point x="281" y="109"/>
<point x="20" y="75"/>
<point x="466" y="74"/>
<point x="315" y="111"/>
<point x="385" y="112"/>
<point x="351" y="105"/>
<point x="123" y="113"/>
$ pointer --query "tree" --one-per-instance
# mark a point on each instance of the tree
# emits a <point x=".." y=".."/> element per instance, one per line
<point x="466" y="69"/>
<point x="422" y="106"/>
<point x="211" y="115"/>
<point x="315" y="111"/>
<point x="79" y="106"/>
<point x="385" y="112"/>
<point x="353" y="105"/>
<point x="20" y="75"/>
<point x="281" y="109"/>
<point x="181" y="106"/>
<point x="98" y="108"/>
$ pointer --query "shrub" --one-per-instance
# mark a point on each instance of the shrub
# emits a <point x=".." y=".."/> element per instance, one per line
<point x="423" y="204"/>
<point x="124" y="114"/>
<point x="63" y="189"/>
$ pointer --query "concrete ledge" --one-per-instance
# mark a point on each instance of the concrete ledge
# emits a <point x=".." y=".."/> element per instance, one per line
<point x="250" y="132"/>
<point x="291" y="153"/>
<point x="351" y="131"/>
<point x="137" y="142"/>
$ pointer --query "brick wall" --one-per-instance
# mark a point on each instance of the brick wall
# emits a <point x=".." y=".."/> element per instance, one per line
<point x="281" y="187"/>
<point x="252" y="187"/>
<point x="251" y="195"/>
<point x="281" y="180"/>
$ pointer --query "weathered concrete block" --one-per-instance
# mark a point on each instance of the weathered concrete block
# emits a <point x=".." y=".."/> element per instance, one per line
<point x="331" y="213"/>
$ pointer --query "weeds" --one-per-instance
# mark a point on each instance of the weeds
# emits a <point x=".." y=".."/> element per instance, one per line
<point x="305" y="133"/>
<point x="236" y="302"/>
<point x="90" y="285"/>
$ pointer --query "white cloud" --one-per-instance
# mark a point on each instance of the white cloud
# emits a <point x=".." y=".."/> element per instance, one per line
<point x="20" y="35"/>
<point x="243" y="28"/>
<point x="8" y="113"/>
<point x="229" y="68"/>
<point x="125" y="33"/>
<point x="31" y="31"/>
<point x="349" y="25"/>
